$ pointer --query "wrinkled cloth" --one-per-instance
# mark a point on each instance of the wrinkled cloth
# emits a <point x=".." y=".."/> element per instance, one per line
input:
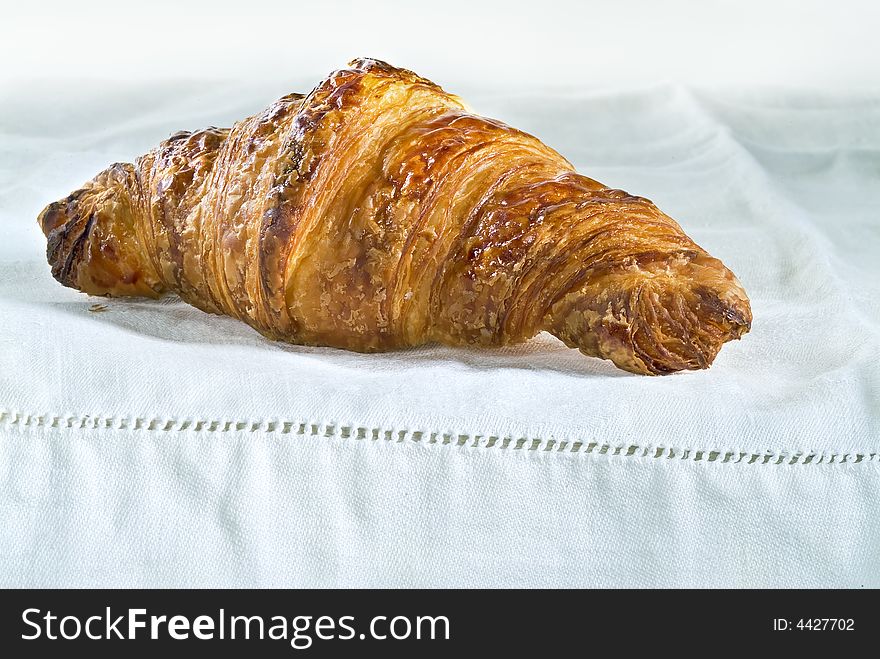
<point x="146" y="443"/>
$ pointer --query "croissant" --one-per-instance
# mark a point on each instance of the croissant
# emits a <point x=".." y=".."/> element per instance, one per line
<point x="378" y="213"/>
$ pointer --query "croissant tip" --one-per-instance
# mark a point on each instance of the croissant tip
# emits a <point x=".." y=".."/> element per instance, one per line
<point x="740" y="320"/>
<point x="695" y="346"/>
<point x="50" y="217"/>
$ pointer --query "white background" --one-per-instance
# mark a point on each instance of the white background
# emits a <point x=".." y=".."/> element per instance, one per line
<point x="788" y="42"/>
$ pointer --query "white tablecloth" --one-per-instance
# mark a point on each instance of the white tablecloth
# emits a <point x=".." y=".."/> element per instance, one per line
<point x="153" y="445"/>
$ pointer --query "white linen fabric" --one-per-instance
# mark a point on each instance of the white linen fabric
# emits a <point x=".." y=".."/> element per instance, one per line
<point x="150" y="444"/>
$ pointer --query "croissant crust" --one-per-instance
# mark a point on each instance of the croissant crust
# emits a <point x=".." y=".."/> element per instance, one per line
<point x="377" y="213"/>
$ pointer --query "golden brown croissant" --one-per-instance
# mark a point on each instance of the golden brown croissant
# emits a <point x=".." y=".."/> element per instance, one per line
<point x="377" y="213"/>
